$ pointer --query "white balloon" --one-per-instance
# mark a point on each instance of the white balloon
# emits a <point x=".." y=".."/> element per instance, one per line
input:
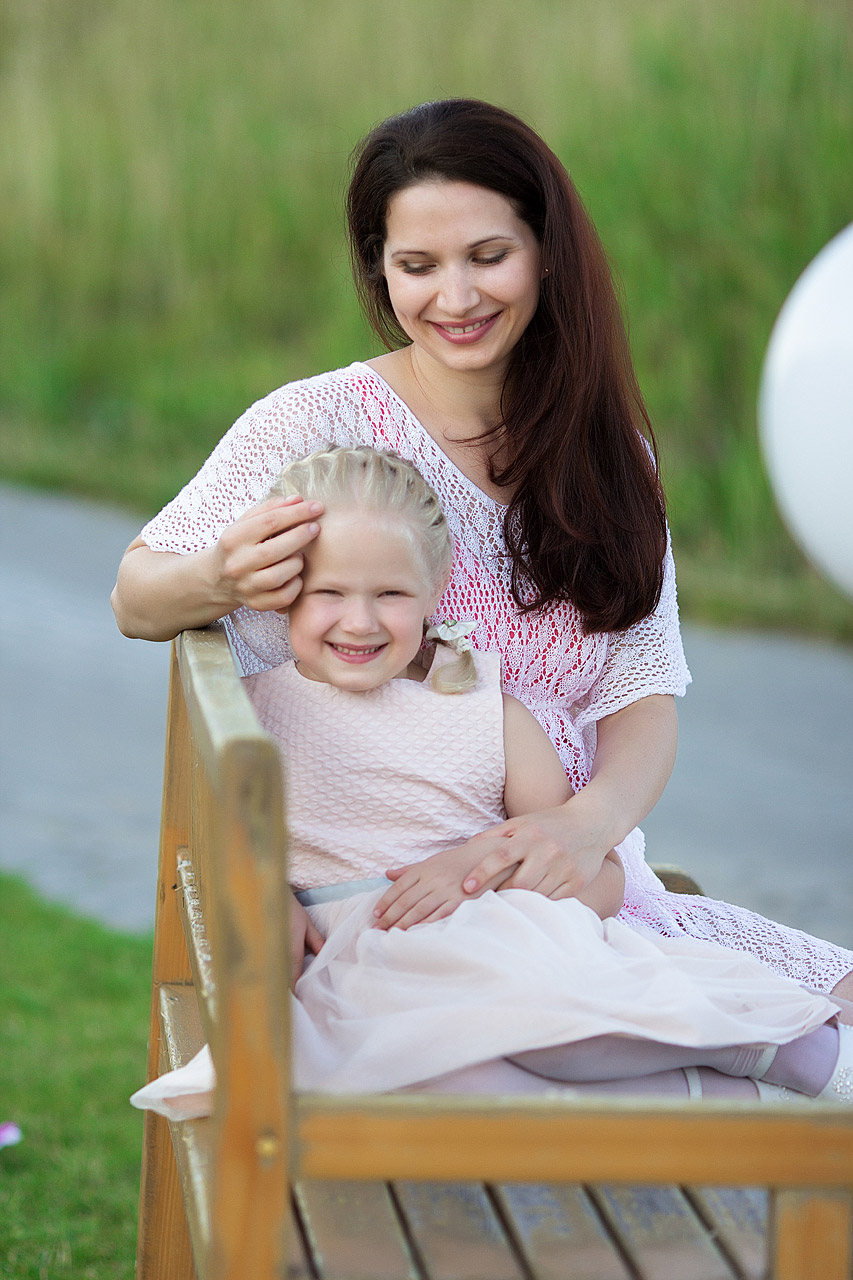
<point x="806" y="410"/>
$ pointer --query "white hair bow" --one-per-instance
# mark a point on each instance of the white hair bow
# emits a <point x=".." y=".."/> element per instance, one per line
<point x="454" y="633"/>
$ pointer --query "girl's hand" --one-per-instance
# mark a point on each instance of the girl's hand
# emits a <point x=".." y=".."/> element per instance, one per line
<point x="258" y="560"/>
<point x="432" y="889"/>
<point x="304" y="937"/>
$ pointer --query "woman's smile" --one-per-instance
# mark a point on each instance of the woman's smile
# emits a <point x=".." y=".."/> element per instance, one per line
<point x="467" y="332"/>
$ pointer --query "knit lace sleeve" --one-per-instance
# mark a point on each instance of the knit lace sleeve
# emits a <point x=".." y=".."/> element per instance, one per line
<point x="646" y="659"/>
<point x="292" y="421"/>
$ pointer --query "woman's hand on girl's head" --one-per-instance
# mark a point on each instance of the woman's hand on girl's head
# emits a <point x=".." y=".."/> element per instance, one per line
<point x="256" y="562"/>
<point x="432" y="889"/>
<point x="258" y="559"/>
<point x="304" y="937"/>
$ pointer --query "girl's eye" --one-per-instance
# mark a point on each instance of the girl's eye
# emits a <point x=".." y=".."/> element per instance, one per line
<point x="491" y="262"/>
<point x="416" y="268"/>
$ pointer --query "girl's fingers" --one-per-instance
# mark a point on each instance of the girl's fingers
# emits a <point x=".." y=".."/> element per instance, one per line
<point x="313" y="939"/>
<point x="398" y="906"/>
<point x="421" y="911"/>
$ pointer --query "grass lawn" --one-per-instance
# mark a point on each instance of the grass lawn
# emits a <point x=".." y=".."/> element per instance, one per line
<point x="74" y="1019"/>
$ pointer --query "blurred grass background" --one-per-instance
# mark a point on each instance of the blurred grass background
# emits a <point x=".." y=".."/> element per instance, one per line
<point x="171" y="181"/>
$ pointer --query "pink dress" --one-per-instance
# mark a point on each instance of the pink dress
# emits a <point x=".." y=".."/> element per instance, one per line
<point x="568" y="680"/>
<point x="393" y="775"/>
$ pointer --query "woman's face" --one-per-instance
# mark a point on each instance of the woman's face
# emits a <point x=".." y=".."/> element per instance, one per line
<point x="463" y="273"/>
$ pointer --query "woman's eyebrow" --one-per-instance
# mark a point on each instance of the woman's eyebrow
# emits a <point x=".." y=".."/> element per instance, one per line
<point x="475" y="244"/>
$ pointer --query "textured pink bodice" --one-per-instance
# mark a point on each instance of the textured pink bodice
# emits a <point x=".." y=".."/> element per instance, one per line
<point x="374" y="780"/>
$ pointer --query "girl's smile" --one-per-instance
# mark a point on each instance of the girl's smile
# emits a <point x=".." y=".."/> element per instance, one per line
<point x="358" y="620"/>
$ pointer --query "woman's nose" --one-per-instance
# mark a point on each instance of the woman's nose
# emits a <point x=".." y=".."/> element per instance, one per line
<point x="458" y="293"/>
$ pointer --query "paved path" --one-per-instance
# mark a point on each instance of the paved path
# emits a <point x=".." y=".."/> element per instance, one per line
<point x="760" y="807"/>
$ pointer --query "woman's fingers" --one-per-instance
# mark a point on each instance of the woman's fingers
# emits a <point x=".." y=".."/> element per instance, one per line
<point x="500" y="857"/>
<point x="260" y="555"/>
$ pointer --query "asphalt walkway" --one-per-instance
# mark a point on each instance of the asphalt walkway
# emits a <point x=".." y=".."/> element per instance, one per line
<point x="759" y="809"/>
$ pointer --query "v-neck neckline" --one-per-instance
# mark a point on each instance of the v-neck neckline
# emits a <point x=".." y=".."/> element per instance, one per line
<point x="499" y="508"/>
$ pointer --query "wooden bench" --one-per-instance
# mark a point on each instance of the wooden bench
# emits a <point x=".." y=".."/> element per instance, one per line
<point x="426" y="1188"/>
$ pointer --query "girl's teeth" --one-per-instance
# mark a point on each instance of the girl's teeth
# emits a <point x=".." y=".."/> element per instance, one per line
<point x="341" y="649"/>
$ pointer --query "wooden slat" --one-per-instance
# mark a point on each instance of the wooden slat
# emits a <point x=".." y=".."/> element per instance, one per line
<point x="559" y="1232"/>
<point x="457" y="1234"/>
<point x="737" y="1216"/>
<point x="354" y="1232"/>
<point x="812" y="1235"/>
<point x="163" y="1248"/>
<point x="191" y="1139"/>
<point x="535" y="1140"/>
<point x="196" y="936"/>
<point x="661" y="1234"/>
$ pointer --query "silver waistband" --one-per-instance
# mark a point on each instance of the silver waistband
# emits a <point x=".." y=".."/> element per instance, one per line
<point x="334" y="892"/>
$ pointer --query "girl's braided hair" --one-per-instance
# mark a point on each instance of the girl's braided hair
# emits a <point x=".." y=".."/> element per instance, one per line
<point x="380" y="481"/>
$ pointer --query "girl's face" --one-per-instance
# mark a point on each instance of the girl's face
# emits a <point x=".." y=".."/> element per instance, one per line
<point x="463" y="273"/>
<point x="358" y="620"/>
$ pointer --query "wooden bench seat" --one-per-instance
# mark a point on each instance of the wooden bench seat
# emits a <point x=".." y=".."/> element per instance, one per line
<point x="422" y="1187"/>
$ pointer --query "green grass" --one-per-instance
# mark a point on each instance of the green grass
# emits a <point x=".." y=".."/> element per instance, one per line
<point x="170" y="191"/>
<point x="74" y="1018"/>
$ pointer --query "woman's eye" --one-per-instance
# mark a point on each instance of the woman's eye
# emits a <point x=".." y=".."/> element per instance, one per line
<point x="492" y="261"/>
<point x="416" y="268"/>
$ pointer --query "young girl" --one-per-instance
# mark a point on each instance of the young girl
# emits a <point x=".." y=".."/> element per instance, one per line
<point x="396" y="757"/>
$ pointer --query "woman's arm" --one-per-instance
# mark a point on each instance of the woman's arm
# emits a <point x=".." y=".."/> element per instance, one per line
<point x="561" y="849"/>
<point x="256" y="562"/>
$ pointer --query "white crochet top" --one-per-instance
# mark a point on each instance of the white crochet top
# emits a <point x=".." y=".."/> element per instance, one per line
<point x="568" y="680"/>
<point x="386" y="777"/>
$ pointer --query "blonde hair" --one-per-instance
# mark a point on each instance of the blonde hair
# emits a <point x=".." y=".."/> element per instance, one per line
<point x="381" y="481"/>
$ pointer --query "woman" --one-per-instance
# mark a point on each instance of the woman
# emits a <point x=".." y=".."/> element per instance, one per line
<point x="509" y="385"/>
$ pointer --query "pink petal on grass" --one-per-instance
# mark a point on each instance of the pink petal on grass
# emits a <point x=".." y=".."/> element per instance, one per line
<point x="9" y="1135"/>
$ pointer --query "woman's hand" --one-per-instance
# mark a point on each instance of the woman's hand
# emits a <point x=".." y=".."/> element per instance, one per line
<point x="555" y="852"/>
<point x="432" y="889"/>
<point x="304" y="937"/>
<point x="256" y="562"/>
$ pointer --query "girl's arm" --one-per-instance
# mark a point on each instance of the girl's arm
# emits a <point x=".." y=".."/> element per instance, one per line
<point x="561" y="849"/>
<point x="304" y="937"/>
<point x="256" y="562"/>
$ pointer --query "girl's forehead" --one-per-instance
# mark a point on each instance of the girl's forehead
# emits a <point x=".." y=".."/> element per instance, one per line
<point x="356" y="535"/>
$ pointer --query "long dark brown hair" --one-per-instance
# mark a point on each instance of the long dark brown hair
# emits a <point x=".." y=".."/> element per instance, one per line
<point x="586" y="522"/>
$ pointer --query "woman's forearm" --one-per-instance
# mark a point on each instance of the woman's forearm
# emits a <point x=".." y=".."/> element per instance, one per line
<point x="159" y="593"/>
<point x="633" y="762"/>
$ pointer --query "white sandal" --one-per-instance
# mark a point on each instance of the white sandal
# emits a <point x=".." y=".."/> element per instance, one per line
<point x="840" y="1086"/>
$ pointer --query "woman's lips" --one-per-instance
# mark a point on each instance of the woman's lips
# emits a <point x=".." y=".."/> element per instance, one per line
<point x="462" y="335"/>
